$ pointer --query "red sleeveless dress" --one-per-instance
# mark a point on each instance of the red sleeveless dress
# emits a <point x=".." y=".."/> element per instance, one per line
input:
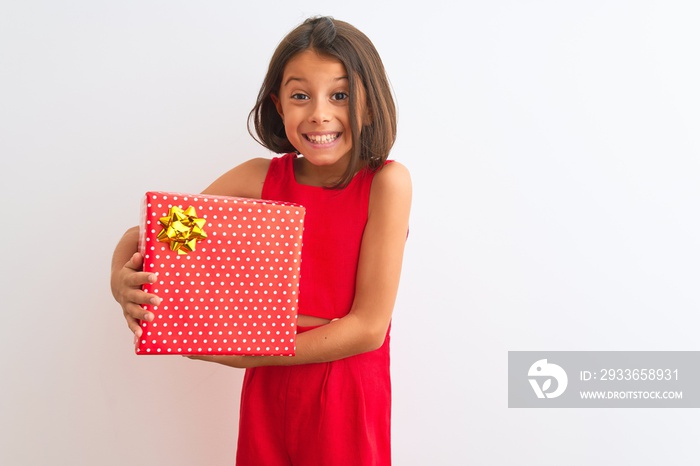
<point x="336" y="413"/>
<point x="333" y="227"/>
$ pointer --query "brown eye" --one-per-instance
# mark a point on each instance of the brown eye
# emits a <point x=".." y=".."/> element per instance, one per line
<point x="340" y="96"/>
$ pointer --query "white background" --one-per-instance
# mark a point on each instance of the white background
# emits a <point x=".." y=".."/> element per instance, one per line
<point x="554" y="151"/>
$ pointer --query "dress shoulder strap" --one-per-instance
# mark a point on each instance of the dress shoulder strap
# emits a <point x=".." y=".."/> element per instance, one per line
<point x="277" y="173"/>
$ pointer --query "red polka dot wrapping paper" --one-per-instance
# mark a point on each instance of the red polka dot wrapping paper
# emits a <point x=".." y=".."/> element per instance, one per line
<point x="237" y="291"/>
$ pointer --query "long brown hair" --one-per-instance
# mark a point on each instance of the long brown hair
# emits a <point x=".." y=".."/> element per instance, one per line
<point x="372" y="142"/>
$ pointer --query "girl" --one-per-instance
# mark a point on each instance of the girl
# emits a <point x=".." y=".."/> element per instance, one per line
<point x="327" y="104"/>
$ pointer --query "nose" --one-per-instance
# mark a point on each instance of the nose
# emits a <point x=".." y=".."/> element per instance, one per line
<point x="321" y="112"/>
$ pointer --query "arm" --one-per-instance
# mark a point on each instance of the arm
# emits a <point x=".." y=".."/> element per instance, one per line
<point x="379" y="269"/>
<point x="127" y="278"/>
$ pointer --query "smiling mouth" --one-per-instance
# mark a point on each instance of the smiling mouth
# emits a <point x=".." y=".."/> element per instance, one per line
<point x="322" y="138"/>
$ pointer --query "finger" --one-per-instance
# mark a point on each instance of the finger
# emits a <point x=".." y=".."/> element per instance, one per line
<point x="137" y="279"/>
<point x="140" y="297"/>
<point x="136" y="262"/>
<point x="137" y="313"/>
<point x="135" y="316"/>
<point x="134" y="326"/>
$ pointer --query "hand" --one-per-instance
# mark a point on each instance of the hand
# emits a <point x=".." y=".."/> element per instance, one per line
<point x="126" y="287"/>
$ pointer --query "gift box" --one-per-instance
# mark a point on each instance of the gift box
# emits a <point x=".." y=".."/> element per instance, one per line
<point x="228" y="274"/>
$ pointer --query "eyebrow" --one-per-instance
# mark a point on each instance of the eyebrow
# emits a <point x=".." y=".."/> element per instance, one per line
<point x="303" y="80"/>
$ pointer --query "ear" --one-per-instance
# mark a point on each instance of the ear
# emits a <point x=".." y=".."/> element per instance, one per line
<point x="278" y="105"/>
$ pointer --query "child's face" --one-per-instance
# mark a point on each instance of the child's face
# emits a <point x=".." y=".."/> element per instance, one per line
<point x="314" y="104"/>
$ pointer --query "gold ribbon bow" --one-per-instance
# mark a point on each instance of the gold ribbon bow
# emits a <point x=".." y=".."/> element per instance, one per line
<point x="182" y="229"/>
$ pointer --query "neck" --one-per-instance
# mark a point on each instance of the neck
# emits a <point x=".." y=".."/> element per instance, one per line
<point x="319" y="175"/>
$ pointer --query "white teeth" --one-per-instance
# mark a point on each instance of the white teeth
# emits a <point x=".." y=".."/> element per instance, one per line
<point x="322" y="139"/>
